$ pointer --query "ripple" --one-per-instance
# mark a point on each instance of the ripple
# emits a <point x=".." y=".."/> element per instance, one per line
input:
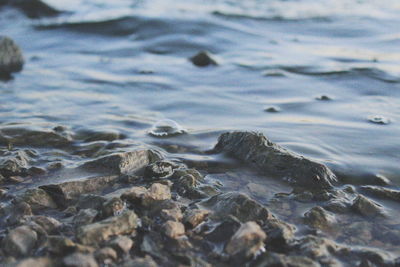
<point x="166" y="128"/>
<point x="378" y="119"/>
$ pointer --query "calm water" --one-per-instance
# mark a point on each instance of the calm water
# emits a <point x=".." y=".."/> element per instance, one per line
<point x="120" y="66"/>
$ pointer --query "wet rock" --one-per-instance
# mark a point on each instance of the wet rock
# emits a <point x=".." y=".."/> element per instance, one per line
<point x="65" y="192"/>
<point x="33" y="138"/>
<point x="256" y="149"/>
<point x="173" y="229"/>
<point x="203" y="59"/>
<point x="61" y="245"/>
<point x="166" y="128"/>
<point x="274" y="259"/>
<point x="112" y="207"/>
<point x="159" y="170"/>
<point x="92" y="136"/>
<point x="33" y="8"/>
<point x="156" y="193"/>
<point x="382" y="192"/>
<point x="195" y="217"/>
<point x="122" y="163"/>
<point x="280" y="235"/>
<point x="141" y="262"/>
<point x="272" y="109"/>
<point x="98" y="232"/>
<point x="50" y="225"/>
<point x="11" y="59"/>
<point x="377" y="119"/>
<point x="20" y="241"/>
<point x="85" y="216"/>
<point x="367" y="207"/>
<point x="224" y="230"/>
<point x="35" y="262"/>
<point x="319" y="218"/>
<point x="106" y="255"/>
<point x="14" y="163"/>
<point x="337" y="206"/>
<point x="174" y="214"/>
<point x="323" y="98"/>
<point x="38" y="199"/>
<point x="134" y="194"/>
<point x="247" y="241"/>
<point x="79" y="260"/>
<point x="238" y="205"/>
<point x="316" y="247"/>
<point x="90" y="201"/>
<point x="17" y="212"/>
<point x="122" y="244"/>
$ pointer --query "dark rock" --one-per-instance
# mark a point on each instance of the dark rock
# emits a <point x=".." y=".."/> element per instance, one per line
<point x="122" y="163"/>
<point x="33" y="8"/>
<point x="166" y="128"/>
<point x="280" y="235"/>
<point x="17" y="212"/>
<point x="382" y="192"/>
<point x="85" y="216"/>
<point x="92" y="136"/>
<point x="270" y="259"/>
<point x="11" y="59"/>
<point x="95" y="233"/>
<point x="319" y="218"/>
<point x="122" y="244"/>
<point x="274" y="160"/>
<point x="65" y="192"/>
<point x="90" y="201"/>
<point x="134" y="195"/>
<point x="203" y="59"/>
<point x="247" y="241"/>
<point x="38" y="199"/>
<point x="323" y="98"/>
<point x="238" y="205"/>
<point x="367" y="207"/>
<point x="272" y="109"/>
<point x="159" y="170"/>
<point x="20" y="241"/>
<point x="224" y="230"/>
<point x="79" y="260"/>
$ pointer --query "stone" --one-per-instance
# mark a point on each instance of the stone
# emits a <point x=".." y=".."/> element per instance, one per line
<point x="274" y="259"/>
<point x="61" y="245"/>
<point x="141" y="262"/>
<point x="106" y="255"/>
<point x="367" y="207"/>
<point x="280" y="235"/>
<point x="121" y="244"/>
<point x="134" y="194"/>
<point x="85" y="216"/>
<point x="95" y="233"/>
<point x="224" y="230"/>
<point x="91" y="201"/>
<point x="319" y="218"/>
<point x="17" y="212"/>
<point x="64" y="193"/>
<point x="20" y="241"/>
<point x="174" y="214"/>
<point x="272" y="159"/>
<point x="33" y="8"/>
<point x="159" y="170"/>
<point x="203" y="59"/>
<point x="33" y="138"/>
<point x="112" y="207"/>
<point x="382" y="192"/>
<point x="156" y="193"/>
<point x="38" y="199"/>
<point x="50" y="225"/>
<point x="173" y="229"/>
<point x="122" y="163"/>
<point x="247" y="241"/>
<point x="11" y="59"/>
<point x="14" y="163"/>
<point x="195" y="217"/>
<point x="34" y="262"/>
<point x="79" y="260"/>
<point x="238" y="205"/>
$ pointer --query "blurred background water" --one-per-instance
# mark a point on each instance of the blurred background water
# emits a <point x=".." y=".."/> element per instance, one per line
<point x="330" y="68"/>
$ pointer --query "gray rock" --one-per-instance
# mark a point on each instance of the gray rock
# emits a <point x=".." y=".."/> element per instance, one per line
<point x="247" y="241"/>
<point x="85" y="216"/>
<point x="367" y="207"/>
<point x="79" y="260"/>
<point x="224" y="230"/>
<point x="20" y="241"/>
<point x="238" y="205"/>
<point x="63" y="193"/>
<point x="91" y="201"/>
<point x="16" y="213"/>
<point x="319" y="218"/>
<point x="159" y="170"/>
<point x="112" y="207"/>
<point x="50" y="225"/>
<point x="173" y="229"/>
<point x="14" y="163"/>
<point x="11" y="59"/>
<point x="61" y="245"/>
<point x="256" y="149"/>
<point x="134" y="194"/>
<point x="121" y="244"/>
<point x="203" y="59"/>
<point x="122" y="163"/>
<point x="95" y="233"/>
<point x="38" y="199"/>
<point x="382" y="192"/>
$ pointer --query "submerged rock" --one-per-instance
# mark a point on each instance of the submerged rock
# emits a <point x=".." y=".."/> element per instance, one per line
<point x="20" y="241"/>
<point x="319" y="218"/>
<point x="274" y="259"/>
<point x="141" y="262"/>
<point x="11" y="59"/>
<point x="166" y="128"/>
<point x="159" y="170"/>
<point x="256" y="149"/>
<point x="382" y="192"/>
<point x="95" y="233"/>
<point x="203" y="59"/>
<point x="38" y="199"/>
<point x="122" y="163"/>
<point x="33" y="138"/>
<point x="14" y="163"/>
<point x="367" y="207"/>
<point x="32" y="8"/>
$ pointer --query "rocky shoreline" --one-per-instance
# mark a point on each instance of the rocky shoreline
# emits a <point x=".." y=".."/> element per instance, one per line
<point x="140" y="208"/>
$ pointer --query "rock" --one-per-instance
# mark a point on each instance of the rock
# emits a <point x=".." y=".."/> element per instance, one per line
<point x="195" y="217"/>
<point x="224" y="231"/>
<point x="323" y="98"/>
<point x="203" y="59"/>
<point x="50" y="225"/>
<point x="11" y="59"/>
<point x="238" y="205"/>
<point x="319" y="218"/>
<point x="382" y="192"/>
<point x="92" y="136"/>
<point x="134" y="194"/>
<point x="159" y="170"/>
<point x="274" y="259"/>
<point x="122" y="163"/>
<point x="174" y="214"/>
<point x="112" y="207"/>
<point x="33" y="8"/>
<point x="61" y="245"/>
<point x="17" y="212"/>
<point x="95" y="233"/>
<point x="247" y="241"/>
<point x="38" y="199"/>
<point x="106" y="255"/>
<point x="33" y="138"/>
<point x="367" y="207"/>
<point x="256" y="149"/>
<point x="272" y="109"/>
<point x="337" y="206"/>
<point x="36" y="262"/>
<point x="85" y="216"/>
<point x="141" y="262"/>
<point x="20" y="241"/>
<point x="156" y="193"/>
<point x="14" y="163"/>
<point x="121" y="244"/>
<point x="280" y="235"/>
<point x="91" y="201"/>
<point x="65" y="192"/>
<point x="79" y="260"/>
<point x="316" y="247"/>
<point x="173" y="229"/>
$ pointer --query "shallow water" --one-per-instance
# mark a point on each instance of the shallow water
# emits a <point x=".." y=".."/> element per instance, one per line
<point x="330" y="69"/>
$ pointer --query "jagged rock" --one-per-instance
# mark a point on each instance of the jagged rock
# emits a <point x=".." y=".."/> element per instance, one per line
<point x="35" y="262"/>
<point x="203" y="59"/>
<point x="156" y="193"/>
<point x="141" y="262"/>
<point x="195" y="217"/>
<point x="367" y="207"/>
<point x="11" y="59"/>
<point x="20" y="241"/>
<point x="174" y="214"/>
<point x="238" y="205"/>
<point x="85" y="216"/>
<point x="38" y="199"/>
<point x="33" y="8"/>
<point x="256" y="149"/>
<point x="174" y="229"/>
<point x="159" y="170"/>
<point x="106" y="255"/>
<point x="122" y="163"/>
<point x="268" y="259"/>
<point x="382" y="192"/>
<point x="50" y="225"/>
<point x="247" y="241"/>
<point x="121" y="244"/>
<point x="79" y="260"/>
<point x="14" y="163"/>
<point x="95" y="233"/>
<point x="65" y="192"/>
<point x="319" y="218"/>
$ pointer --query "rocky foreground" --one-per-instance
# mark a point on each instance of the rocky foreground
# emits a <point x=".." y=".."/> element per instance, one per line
<point x="138" y="208"/>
